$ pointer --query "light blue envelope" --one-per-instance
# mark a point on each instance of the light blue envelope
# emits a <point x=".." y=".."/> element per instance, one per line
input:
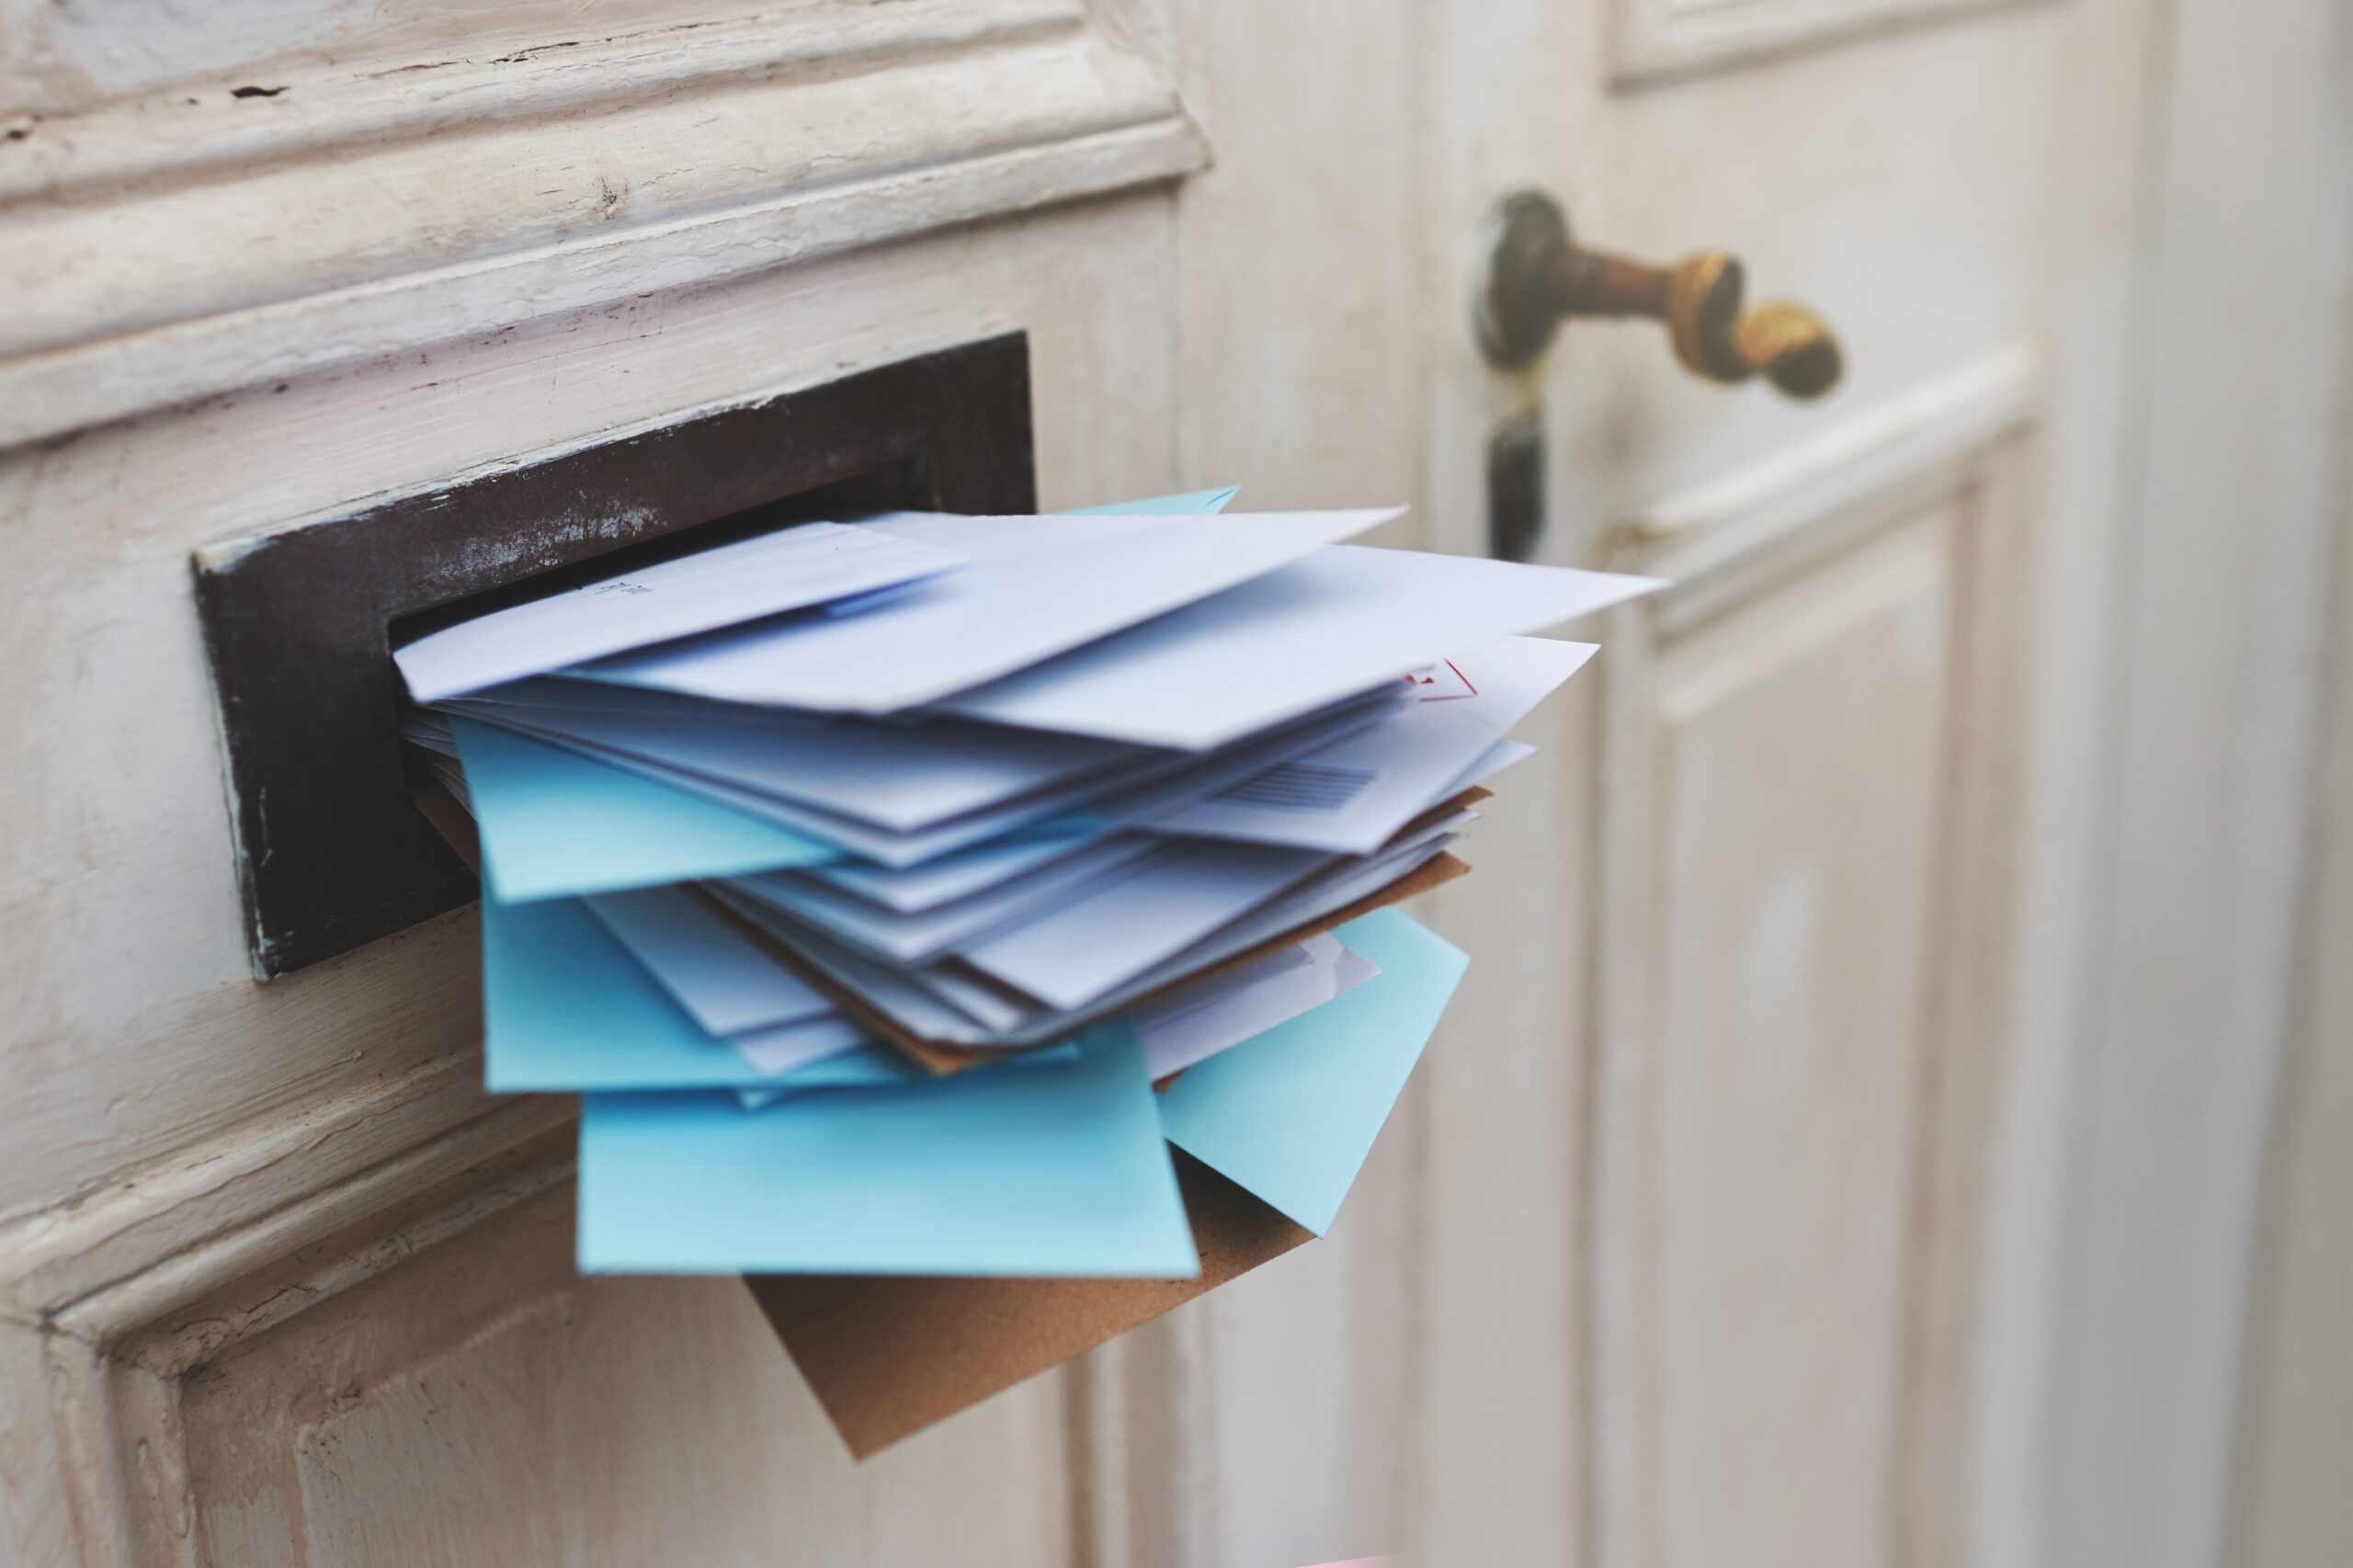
<point x="553" y="821"/>
<point x="1201" y="501"/>
<point x="565" y="1007"/>
<point x="1047" y="1170"/>
<point x="1291" y="1114"/>
<point x="875" y="1065"/>
<point x="869" y="1066"/>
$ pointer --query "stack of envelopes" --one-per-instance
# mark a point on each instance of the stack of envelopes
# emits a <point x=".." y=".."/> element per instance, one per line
<point x="868" y="879"/>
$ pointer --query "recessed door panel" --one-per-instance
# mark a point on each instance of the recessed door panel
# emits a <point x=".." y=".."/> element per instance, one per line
<point x="1800" y="766"/>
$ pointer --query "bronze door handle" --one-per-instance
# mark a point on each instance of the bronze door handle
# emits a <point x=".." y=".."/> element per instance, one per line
<point x="1537" y="274"/>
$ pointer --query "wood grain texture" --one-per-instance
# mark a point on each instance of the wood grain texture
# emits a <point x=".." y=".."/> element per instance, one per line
<point x="119" y="842"/>
<point x="1666" y="41"/>
<point x="2290" y="1506"/>
<point x="1811" y="795"/>
<point x="2234" y="479"/>
<point x="168" y="248"/>
<point x="2023" y="238"/>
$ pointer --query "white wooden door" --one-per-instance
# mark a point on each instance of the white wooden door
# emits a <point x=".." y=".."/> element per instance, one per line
<point x="1720" y="1226"/>
<point x="1714" y="1229"/>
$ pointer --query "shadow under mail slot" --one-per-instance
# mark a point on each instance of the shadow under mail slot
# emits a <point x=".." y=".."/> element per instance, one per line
<point x="987" y="964"/>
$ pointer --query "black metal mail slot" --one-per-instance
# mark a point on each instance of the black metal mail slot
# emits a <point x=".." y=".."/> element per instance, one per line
<point x="299" y="622"/>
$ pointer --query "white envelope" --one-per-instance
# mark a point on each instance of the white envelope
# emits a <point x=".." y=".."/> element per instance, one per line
<point x="1037" y="586"/>
<point x="1180" y="776"/>
<point x="1199" y="1021"/>
<point x="1494" y="760"/>
<point x="783" y="1047"/>
<point x="902" y="777"/>
<point x="1352" y="795"/>
<point x="921" y="936"/>
<point x="1342" y="620"/>
<point x="723" y="979"/>
<point x="934" y="1003"/>
<point x="888" y="988"/>
<point x="1084" y="950"/>
<point x="1346" y="882"/>
<point x="793" y="569"/>
<point x="848" y="832"/>
<point x="1085" y="946"/>
<point x="912" y="889"/>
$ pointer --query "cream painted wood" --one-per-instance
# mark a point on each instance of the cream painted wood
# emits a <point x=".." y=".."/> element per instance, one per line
<point x="1958" y="201"/>
<point x="2245" y="373"/>
<point x="1664" y="39"/>
<point x="1803" y="998"/>
<point x="148" y="870"/>
<point x="168" y="246"/>
<point x="2290" y="1506"/>
<point x="432" y="1384"/>
<point x="1795" y="798"/>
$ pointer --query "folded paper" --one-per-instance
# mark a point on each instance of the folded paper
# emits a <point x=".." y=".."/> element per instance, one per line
<point x="790" y="568"/>
<point x="1013" y="1170"/>
<point x="1197" y="502"/>
<point x="1342" y="620"/>
<point x="887" y="1356"/>
<point x="728" y="980"/>
<point x="1351" y="794"/>
<point x="554" y="823"/>
<point x="566" y="1007"/>
<point x="1197" y="1022"/>
<point x="1291" y="1114"/>
<point x="1035" y="586"/>
<point x="865" y="929"/>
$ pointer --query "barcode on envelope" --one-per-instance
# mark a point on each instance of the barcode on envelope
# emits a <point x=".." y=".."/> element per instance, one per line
<point x="1300" y="787"/>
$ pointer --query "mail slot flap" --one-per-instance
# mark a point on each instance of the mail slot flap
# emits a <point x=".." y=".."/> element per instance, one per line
<point x="299" y="623"/>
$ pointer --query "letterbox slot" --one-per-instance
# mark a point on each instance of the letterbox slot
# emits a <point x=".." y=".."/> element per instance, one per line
<point x="300" y="622"/>
<point x="878" y="490"/>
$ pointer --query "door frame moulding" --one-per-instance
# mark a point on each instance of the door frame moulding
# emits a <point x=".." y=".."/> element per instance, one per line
<point x="1657" y="42"/>
<point x="392" y="206"/>
<point x="262" y="1190"/>
<point x="122" y="1298"/>
<point x="1968" y="438"/>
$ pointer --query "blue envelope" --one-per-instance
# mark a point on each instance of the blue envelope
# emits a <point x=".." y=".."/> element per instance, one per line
<point x="878" y="1066"/>
<point x="555" y="821"/>
<point x="1290" y="1115"/>
<point x="1044" y="1170"/>
<point x="565" y="1006"/>
<point x="1201" y="501"/>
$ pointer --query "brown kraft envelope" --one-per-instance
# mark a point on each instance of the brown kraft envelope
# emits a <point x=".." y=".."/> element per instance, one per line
<point x="888" y="1354"/>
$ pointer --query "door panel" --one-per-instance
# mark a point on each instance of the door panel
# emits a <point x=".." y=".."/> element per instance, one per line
<point x="466" y="1404"/>
<point x="1799" y="757"/>
<point x="1803" y="1014"/>
<point x="1809" y="1251"/>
